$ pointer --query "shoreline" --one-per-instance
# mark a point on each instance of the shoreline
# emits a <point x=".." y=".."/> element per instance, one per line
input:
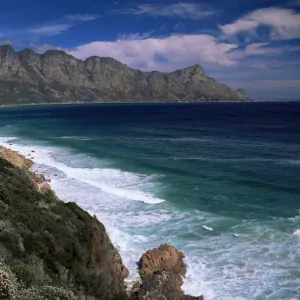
<point x="3" y="106"/>
<point x="156" y="260"/>
<point x="42" y="184"/>
<point x="139" y="103"/>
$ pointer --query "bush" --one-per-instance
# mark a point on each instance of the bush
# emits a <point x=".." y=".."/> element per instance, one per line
<point x="8" y="283"/>
<point x="23" y="273"/>
<point x="4" y="194"/>
<point x="45" y="293"/>
<point x="12" y="241"/>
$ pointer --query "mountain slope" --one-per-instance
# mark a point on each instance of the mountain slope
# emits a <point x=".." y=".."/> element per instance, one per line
<point x="55" y="76"/>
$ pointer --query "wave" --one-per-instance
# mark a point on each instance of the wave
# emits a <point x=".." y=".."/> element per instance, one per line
<point x="291" y="162"/>
<point x="297" y="232"/>
<point x="75" y="138"/>
<point x="216" y="159"/>
<point x="207" y="228"/>
<point x="111" y="181"/>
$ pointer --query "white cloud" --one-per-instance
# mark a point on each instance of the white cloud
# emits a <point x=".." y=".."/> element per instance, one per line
<point x="49" y="30"/>
<point x="43" y="48"/>
<point x="60" y="26"/>
<point x="265" y="49"/>
<point x="187" y="10"/>
<point x="135" y="36"/>
<point x="283" y="24"/>
<point x="10" y="42"/>
<point x="82" y="18"/>
<point x="164" y="54"/>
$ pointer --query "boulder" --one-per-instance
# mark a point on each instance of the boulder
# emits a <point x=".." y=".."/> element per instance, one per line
<point x="163" y="258"/>
<point x="162" y="285"/>
<point x="161" y="270"/>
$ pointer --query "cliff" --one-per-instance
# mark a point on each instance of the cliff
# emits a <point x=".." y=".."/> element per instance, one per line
<point x="50" y="249"/>
<point x="56" y="77"/>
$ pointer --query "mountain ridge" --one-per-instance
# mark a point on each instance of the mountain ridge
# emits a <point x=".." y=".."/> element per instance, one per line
<point x="58" y="77"/>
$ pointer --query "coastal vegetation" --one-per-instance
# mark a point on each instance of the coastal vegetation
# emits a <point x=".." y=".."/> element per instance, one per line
<point x="48" y="247"/>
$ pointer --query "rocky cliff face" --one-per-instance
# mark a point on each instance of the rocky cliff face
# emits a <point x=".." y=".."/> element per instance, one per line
<point x="55" y="76"/>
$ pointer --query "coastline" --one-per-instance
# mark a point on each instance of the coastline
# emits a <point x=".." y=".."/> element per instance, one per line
<point x="96" y="261"/>
<point x="161" y="270"/>
<point x="3" y="106"/>
<point x="63" y="154"/>
<point x="41" y="183"/>
<point x="131" y="103"/>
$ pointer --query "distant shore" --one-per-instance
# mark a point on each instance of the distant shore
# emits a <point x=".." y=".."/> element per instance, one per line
<point x="140" y="103"/>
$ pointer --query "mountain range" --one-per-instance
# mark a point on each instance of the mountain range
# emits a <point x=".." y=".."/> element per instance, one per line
<point x="57" y="77"/>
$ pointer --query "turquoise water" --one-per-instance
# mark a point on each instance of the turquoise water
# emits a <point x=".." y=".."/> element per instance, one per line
<point x="218" y="181"/>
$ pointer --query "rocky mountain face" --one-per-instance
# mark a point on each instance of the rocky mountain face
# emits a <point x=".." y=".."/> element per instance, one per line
<point x="56" y="77"/>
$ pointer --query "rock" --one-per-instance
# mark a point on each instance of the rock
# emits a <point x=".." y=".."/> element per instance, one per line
<point x="133" y="293"/>
<point x="55" y="76"/>
<point x="163" y="258"/>
<point x="15" y="158"/>
<point x="118" y="259"/>
<point x="105" y="261"/>
<point x="161" y="270"/>
<point x="162" y="285"/>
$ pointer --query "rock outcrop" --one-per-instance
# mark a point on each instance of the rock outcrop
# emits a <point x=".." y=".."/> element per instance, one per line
<point x="105" y="261"/>
<point x="15" y="158"/>
<point x="164" y="258"/>
<point x="56" y="77"/>
<point x="161" y="271"/>
<point x="38" y="181"/>
<point x="162" y="285"/>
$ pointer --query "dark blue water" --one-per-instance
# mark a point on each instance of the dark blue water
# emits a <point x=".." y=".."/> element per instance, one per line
<point x="218" y="181"/>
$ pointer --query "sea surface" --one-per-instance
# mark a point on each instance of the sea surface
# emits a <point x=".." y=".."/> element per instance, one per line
<point x="221" y="182"/>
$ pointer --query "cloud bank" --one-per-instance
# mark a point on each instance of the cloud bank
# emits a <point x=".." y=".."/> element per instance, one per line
<point x="157" y="53"/>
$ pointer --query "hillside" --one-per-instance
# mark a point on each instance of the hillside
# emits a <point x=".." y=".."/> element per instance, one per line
<point x="56" y="77"/>
<point x="50" y="249"/>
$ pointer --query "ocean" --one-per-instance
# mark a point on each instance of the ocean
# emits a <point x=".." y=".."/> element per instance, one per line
<point x="221" y="182"/>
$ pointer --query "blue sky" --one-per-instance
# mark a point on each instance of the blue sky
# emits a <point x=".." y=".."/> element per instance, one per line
<point x="250" y="44"/>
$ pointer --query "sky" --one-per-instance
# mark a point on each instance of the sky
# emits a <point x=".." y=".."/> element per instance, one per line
<point x="252" y="44"/>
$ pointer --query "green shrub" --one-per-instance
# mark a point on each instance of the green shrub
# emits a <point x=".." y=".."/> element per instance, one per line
<point x="8" y="283"/>
<point x="23" y="273"/>
<point x="4" y="194"/>
<point x="12" y="241"/>
<point x="45" y="293"/>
